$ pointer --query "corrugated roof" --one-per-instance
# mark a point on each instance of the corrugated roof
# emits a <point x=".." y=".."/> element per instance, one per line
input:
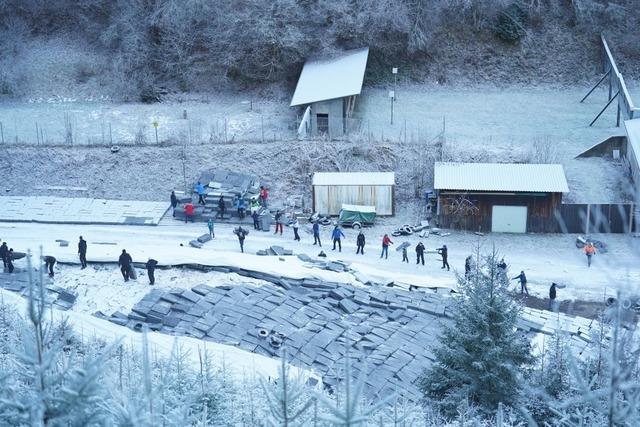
<point x="509" y="177"/>
<point x="329" y="78"/>
<point x="354" y="178"/>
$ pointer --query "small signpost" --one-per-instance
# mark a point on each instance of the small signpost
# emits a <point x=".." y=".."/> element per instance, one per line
<point x="155" y="125"/>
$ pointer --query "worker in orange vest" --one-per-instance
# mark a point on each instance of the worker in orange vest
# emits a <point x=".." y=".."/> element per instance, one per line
<point x="589" y="251"/>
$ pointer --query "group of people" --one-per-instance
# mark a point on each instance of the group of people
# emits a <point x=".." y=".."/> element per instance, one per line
<point x="6" y="253"/>
<point x="239" y="203"/>
<point x="337" y="235"/>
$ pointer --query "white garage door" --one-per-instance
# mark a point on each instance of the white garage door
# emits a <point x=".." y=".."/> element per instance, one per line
<point x="509" y="219"/>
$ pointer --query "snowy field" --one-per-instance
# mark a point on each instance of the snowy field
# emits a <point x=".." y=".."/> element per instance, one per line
<point x="215" y="119"/>
<point x="492" y="125"/>
<point x="544" y="258"/>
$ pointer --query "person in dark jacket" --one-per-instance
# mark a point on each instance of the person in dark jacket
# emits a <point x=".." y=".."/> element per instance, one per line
<point x="523" y="282"/>
<point x="420" y="253"/>
<point x="4" y="250"/>
<point x="174" y="202"/>
<point x="336" y="235"/>
<point x="405" y="257"/>
<point x="278" y="219"/>
<point x="444" y="252"/>
<point x="49" y="262"/>
<point x="552" y="297"/>
<point x="82" y="252"/>
<point x="151" y="268"/>
<point x="124" y="262"/>
<point x="467" y="267"/>
<point x="221" y="208"/>
<point x="316" y="233"/>
<point x="241" y="233"/>
<point x="9" y="258"/>
<point x="360" y="241"/>
<point x="256" y="220"/>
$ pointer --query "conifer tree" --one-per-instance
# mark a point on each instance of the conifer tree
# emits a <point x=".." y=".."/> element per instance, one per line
<point x="482" y="353"/>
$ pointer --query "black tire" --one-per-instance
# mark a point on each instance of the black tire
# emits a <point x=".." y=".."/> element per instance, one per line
<point x="356" y="225"/>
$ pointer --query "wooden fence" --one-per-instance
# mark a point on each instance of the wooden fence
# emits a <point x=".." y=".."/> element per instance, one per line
<point x="568" y="218"/>
<point x="595" y="218"/>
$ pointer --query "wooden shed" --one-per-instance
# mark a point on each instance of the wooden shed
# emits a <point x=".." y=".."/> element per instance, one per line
<point x="333" y="189"/>
<point x="499" y="197"/>
<point x="327" y="90"/>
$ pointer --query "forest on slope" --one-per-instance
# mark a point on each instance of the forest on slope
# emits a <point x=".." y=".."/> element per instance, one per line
<point x="138" y="49"/>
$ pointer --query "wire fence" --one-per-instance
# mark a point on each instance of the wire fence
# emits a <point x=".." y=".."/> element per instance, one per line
<point x="83" y="128"/>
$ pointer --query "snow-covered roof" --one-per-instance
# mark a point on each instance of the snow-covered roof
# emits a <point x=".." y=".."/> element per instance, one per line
<point x="329" y="78"/>
<point x="354" y="178"/>
<point x="512" y="177"/>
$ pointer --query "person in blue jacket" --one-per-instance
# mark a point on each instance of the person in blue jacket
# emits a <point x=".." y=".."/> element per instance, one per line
<point x="201" y="193"/>
<point x="336" y="235"/>
<point x="240" y="206"/>
<point x="316" y="233"/>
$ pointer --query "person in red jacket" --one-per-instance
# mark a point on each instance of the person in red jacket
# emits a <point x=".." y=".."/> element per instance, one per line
<point x="264" y="195"/>
<point x="386" y="241"/>
<point x="189" y="210"/>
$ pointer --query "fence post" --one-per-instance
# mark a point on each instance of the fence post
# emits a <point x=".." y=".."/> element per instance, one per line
<point x="586" y="226"/>
<point x="2" y="132"/>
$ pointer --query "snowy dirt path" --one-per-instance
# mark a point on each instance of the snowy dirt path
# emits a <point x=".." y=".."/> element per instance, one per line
<point x="545" y="258"/>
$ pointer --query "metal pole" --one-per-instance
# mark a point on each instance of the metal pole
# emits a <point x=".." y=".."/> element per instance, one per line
<point x="395" y="81"/>
<point x="597" y="84"/>
<point x="392" y="110"/>
<point x="156" y="135"/>
<point x="2" y="132"/>
<point x="605" y="107"/>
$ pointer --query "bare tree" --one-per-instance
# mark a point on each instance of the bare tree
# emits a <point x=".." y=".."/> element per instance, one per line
<point x="459" y="208"/>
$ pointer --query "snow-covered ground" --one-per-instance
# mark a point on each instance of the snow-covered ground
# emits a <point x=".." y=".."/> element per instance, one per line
<point x="544" y="258"/>
<point x="240" y="363"/>
<point x="481" y="124"/>
<point x="216" y="119"/>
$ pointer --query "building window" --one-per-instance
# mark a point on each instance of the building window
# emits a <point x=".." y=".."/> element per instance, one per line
<point x="323" y="123"/>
